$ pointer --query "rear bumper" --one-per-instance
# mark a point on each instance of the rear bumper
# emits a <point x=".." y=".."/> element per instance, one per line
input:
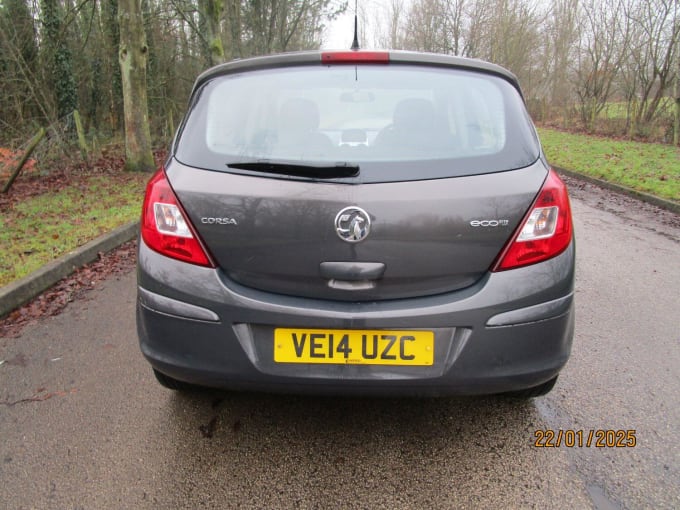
<point x="509" y="331"/>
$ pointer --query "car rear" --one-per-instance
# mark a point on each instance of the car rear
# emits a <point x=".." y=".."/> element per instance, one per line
<point x="357" y="222"/>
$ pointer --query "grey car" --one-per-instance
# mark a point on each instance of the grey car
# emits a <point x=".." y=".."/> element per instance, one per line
<point x="355" y="222"/>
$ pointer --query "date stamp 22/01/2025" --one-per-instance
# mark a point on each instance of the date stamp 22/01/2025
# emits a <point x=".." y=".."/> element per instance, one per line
<point x="572" y="438"/>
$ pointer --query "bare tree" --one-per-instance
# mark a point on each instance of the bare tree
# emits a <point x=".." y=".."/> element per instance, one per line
<point x="676" y="119"/>
<point x="455" y="25"/>
<point x="396" y="11"/>
<point x="388" y="25"/>
<point x="603" y="47"/>
<point x="513" y="40"/>
<point x="426" y="27"/>
<point x="23" y="100"/>
<point x="270" y="26"/>
<point x="133" y="57"/>
<point x="560" y="35"/>
<point x="650" y="71"/>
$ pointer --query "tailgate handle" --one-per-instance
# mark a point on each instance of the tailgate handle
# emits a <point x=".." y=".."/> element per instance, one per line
<point x="352" y="271"/>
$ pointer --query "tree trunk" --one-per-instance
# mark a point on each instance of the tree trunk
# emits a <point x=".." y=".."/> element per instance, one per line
<point x="59" y="60"/>
<point x="676" y="122"/>
<point x="132" y="58"/>
<point x="115" y="92"/>
<point x="29" y="150"/>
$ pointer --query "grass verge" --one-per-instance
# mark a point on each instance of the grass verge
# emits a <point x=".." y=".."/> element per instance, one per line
<point x="648" y="167"/>
<point x="40" y="228"/>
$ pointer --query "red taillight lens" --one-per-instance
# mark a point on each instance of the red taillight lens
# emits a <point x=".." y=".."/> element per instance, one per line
<point x="355" y="57"/>
<point x="546" y="230"/>
<point x="165" y="227"/>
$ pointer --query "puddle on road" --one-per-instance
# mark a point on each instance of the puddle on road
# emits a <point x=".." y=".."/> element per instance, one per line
<point x="600" y="499"/>
<point x="556" y="420"/>
<point x="551" y="415"/>
<point x="20" y="360"/>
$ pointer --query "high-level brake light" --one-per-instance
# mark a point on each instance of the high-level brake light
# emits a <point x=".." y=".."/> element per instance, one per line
<point x="355" y="57"/>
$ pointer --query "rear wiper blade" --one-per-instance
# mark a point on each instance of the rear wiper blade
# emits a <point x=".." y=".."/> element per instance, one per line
<point x="319" y="170"/>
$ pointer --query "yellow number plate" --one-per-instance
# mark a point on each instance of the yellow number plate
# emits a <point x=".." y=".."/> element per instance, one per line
<point x="354" y="347"/>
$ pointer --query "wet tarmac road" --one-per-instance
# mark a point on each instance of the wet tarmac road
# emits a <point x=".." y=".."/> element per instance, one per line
<point x="84" y="424"/>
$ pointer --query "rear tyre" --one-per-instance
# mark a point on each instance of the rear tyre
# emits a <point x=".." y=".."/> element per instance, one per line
<point x="534" y="391"/>
<point x="171" y="383"/>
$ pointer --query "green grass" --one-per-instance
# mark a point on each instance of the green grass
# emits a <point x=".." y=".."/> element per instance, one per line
<point x="42" y="228"/>
<point x="619" y="110"/>
<point x="648" y="167"/>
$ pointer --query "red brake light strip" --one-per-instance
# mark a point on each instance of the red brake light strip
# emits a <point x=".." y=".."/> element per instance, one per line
<point x="355" y="57"/>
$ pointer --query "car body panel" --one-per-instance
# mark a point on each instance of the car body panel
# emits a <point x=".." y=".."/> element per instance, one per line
<point x="431" y="236"/>
<point x="285" y="254"/>
<point x="473" y="358"/>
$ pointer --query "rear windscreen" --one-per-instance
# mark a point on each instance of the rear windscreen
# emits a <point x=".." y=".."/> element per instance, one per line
<point x="394" y="122"/>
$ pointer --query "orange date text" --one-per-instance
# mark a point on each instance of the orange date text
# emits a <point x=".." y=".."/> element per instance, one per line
<point x="597" y="438"/>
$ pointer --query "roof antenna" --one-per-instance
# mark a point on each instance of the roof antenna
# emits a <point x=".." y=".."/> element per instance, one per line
<point x="355" y="43"/>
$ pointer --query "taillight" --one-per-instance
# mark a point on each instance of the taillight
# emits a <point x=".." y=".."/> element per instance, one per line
<point x="546" y="230"/>
<point x="165" y="227"/>
<point x="355" y="57"/>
